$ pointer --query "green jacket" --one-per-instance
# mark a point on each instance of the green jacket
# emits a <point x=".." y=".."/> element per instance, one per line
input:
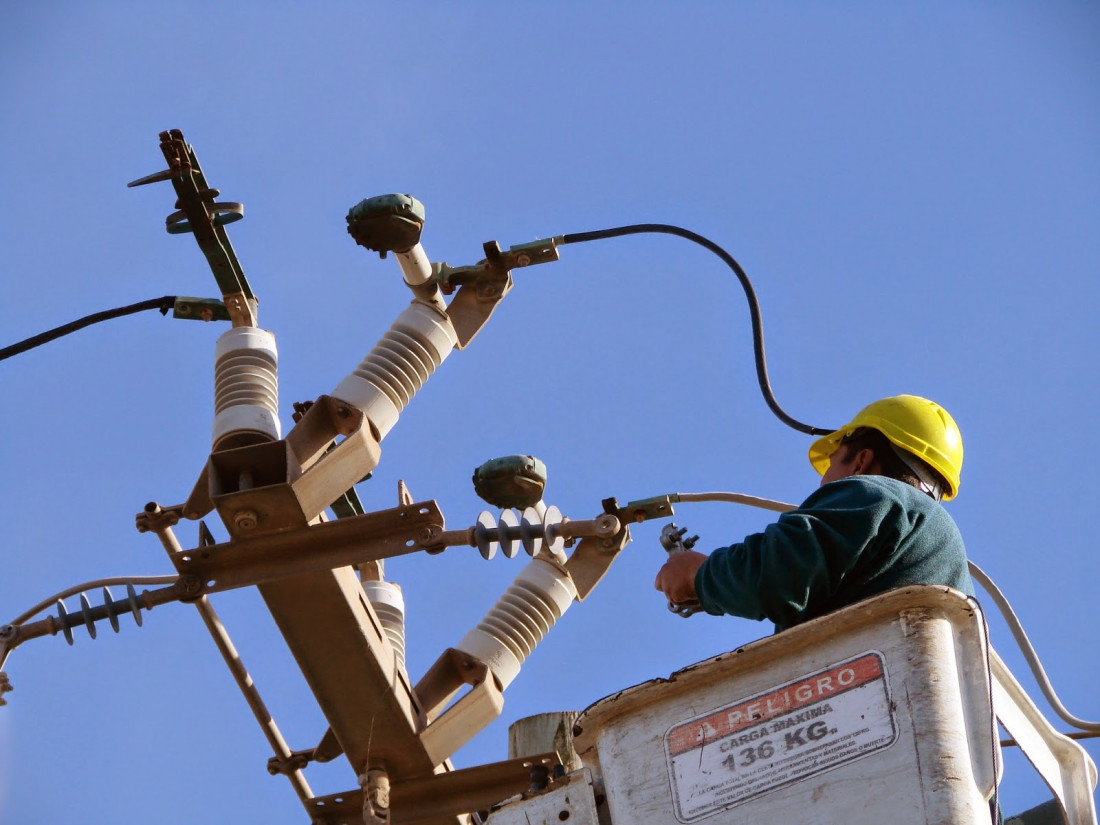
<point x="851" y="539"/>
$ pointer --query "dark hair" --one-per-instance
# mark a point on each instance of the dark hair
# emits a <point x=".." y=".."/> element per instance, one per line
<point x="866" y="438"/>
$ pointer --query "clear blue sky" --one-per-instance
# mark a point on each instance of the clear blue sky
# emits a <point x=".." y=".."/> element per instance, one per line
<point x="914" y="189"/>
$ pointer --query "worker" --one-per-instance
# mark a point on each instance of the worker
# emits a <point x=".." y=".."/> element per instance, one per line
<point x="875" y="523"/>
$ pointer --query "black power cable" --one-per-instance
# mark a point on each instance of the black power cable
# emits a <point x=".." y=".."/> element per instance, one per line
<point x="750" y="294"/>
<point x="163" y="304"/>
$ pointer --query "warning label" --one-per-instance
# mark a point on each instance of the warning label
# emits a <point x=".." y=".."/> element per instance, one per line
<point x="786" y="734"/>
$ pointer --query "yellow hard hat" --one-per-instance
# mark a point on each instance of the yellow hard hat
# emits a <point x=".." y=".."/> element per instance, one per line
<point x="912" y="423"/>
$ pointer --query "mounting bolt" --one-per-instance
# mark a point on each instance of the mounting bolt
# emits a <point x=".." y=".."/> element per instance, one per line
<point x="246" y="519"/>
<point x="190" y="584"/>
<point x="540" y="778"/>
<point x="607" y="525"/>
<point x="488" y="291"/>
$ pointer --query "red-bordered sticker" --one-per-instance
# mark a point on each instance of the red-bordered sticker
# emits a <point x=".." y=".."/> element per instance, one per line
<point x="783" y="735"/>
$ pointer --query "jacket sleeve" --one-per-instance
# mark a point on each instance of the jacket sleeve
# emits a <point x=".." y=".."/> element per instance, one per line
<point x="793" y="568"/>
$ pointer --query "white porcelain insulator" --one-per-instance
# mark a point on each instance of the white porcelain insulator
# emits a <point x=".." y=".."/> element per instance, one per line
<point x="504" y="639"/>
<point x="415" y="266"/>
<point x="389" y="605"/>
<point x="246" y="388"/>
<point x="395" y="370"/>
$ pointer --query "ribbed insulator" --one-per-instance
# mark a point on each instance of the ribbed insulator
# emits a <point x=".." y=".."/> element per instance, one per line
<point x="541" y="593"/>
<point x="246" y="388"/>
<point x="389" y="605"/>
<point x="387" y="379"/>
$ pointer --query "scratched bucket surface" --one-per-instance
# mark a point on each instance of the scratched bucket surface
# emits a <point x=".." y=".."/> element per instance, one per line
<point x="876" y="713"/>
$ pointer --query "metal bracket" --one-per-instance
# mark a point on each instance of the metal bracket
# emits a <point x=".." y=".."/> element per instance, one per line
<point x="457" y="724"/>
<point x="200" y="309"/>
<point x="490" y="275"/>
<point x="484" y="284"/>
<point x="268" y="557"/>
<point x="646" y="508"/>
<point x="593" y="557"/>
<point x="435" y="798"/>
<point x="154" y="518"/>
<point x="294" y="494"/>
<point x="295" y="762"/>
<point x="199" y="214"/>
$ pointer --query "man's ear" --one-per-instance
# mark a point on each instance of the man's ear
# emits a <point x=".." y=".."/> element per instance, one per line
<point x="862" y="461"/>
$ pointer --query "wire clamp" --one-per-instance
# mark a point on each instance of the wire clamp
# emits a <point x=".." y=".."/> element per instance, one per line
<point x="296" y="761"/>
<point x="672" y="539"/>
<point x="492" y="276"/>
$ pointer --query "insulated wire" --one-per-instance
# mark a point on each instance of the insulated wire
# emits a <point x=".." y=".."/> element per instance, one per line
<point x="163" y="304"/>
<point x="1028" y="650"/>
<point x="737" y="498"/>
<point x="746" y="285"/>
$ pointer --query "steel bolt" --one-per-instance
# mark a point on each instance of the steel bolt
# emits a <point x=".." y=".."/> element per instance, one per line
<point x="540" y="777"/>
<point x="190" y="584"/>
<point x="246" y="519"/>
<point x="607" y="524"/>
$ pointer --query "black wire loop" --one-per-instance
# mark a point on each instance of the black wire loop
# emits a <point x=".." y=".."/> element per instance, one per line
<point x="746" y="285"/>
<point x="165" y="303"/>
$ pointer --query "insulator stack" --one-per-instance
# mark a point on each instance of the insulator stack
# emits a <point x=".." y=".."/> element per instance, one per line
<point x="389" y="605"/>
<point x="246" y="389"/>
<point x="89" y="615"/>
<point x="387" y="379"/>
<point x="534" y="531"/>
<point x="541" y="593"/>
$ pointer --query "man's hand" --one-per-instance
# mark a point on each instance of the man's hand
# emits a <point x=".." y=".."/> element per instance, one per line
<point x="677" y="578"/>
